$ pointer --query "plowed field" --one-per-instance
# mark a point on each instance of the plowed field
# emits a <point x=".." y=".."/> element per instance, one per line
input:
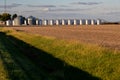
<point x="103" y="35"/>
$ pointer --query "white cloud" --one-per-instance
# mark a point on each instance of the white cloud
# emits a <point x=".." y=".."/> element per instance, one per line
<point x="10" y="6"/>
<point x="86" y="3"/>
<point x="41" y="5"/>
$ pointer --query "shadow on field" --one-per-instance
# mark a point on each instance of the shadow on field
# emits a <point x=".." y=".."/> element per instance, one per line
<point x="53" y="67"/>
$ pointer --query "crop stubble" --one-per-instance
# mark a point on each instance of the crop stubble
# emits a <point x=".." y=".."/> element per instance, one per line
<point x="103" y="35"/>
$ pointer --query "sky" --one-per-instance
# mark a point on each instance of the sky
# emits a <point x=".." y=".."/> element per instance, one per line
<point x="108" y="10"/>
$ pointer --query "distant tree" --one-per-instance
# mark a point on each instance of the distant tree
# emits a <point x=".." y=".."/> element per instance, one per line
<point x="14" y="16"/>
<point x="5" y="16"/>
<point x="0" y="17"/>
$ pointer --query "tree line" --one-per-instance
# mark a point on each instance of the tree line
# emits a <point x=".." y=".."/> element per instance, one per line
<point x="7" y="16"/>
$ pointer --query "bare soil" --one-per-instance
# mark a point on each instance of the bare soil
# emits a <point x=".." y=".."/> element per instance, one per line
<point x="103" y="35"/>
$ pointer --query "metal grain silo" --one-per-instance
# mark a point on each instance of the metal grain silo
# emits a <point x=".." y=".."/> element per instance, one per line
<point x="13" y="22"/>
<point x="51" y="22"/>
<point x="31" y="20"/>
<point x="81" y="23"/>
<point x="37" y="21"/>
<point x="89" y="21"/>
<point x="57" y="22"/>
<point x="86" y="22"/>
<point x="45" y="22"/>
<point x="18" y="21"/>
<point x="63" y="22"/>
<point x="92" y="22"/>
<point x="8" y="22"/>
<point x="98" y="22"/>
<point x="75" y="22"/>
<point x="25" y="22"/>
<point x="69" y="22"/>
<point x="40" y="22"/>
<point x="66" y="22"/>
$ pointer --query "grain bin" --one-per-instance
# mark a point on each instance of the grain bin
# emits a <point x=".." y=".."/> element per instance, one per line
<point x="66" y="22"/>
<point x="92" y="22"/>
<point x="18" y="21"/>
<point x="40" y="22"/>
<point x="45" y="22"/>
<point x="31" y="20"/>
<point x="98" y="22"/>
<point x="63" y="22"/>
<point x="8" y="22"/>
<point x="72" y="22"/>
<point x="60" y="21"/>
<point x="13" y="22"/>
<point x="86" y="22"/>
<point x="51" y="22"/>
<point x="25" y="22"/>
<point x="75" y="22"/>
<point x="37" y="21"/>
<point x="89" y="21"/>
<point x="69" y="22"/>
<point x="81" y="23"/>
<point x="57" y="22"/>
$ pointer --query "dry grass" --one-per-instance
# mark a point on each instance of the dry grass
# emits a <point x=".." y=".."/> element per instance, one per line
<point x="3" y="73"/>
<point x="103" y="35"/>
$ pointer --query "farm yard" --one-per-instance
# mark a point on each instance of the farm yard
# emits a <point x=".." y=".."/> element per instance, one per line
<point x="60" y="52"/>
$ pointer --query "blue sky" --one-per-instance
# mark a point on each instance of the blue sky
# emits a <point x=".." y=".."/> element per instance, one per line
<point x="108" y="10"/>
